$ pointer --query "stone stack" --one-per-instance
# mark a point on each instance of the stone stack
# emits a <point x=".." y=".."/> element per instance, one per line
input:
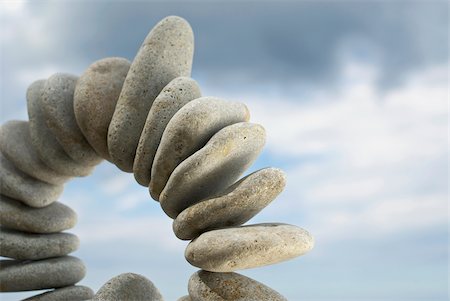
<point x="147" y="117"/>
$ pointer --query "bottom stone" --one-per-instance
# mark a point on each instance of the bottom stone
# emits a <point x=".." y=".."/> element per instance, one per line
<point x="69" y="293"/>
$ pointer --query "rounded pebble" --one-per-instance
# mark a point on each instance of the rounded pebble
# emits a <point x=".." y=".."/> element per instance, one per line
<point x="233" y="207"/>
<point x="245" y="247"/>
<point x="95" y="98"/>
<point x="19" y="245"/>
<point x="56" y="272"/>
<point x="185" y="298"/>
<point x="165" y="54"/>
<point x="213" y="168"/>
<point x="69" y="293"/>
<point x="172" y="98"/>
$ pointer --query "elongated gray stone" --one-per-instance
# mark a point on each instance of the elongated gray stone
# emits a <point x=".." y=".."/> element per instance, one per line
<point x="58" y="109"/>
<point x="185" y="298"/>
<point x="233" y="207"/>
<point x="30" y="246"/>
<point x="16" y="275"/>
<point x="44" y="142"/>
<point x="188" y="131"/>
<point x="50" y="219"/>
<point x="128" y="286"/>
<point x="213" y="168"/>
<point x="231" y="249"/>
<point x="95" y="98"/>
<point x="175" y="95"/>
<point x="17" y="185"/>
<point x="16" y="146"/>
<point x="69" y="293"/>
<point x="165" y="54"/>
<point x="207" y="286"/>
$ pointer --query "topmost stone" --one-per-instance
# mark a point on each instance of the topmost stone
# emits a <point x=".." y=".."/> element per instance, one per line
<point x="166" y="53"/>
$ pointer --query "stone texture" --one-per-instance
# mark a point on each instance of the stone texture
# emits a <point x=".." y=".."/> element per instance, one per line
<point x="245" y="247"/>
<point x="213" y="168"/>
<point x="57" y="272"/>
<point x="16" y="146"/>
<point x="95" y="98"/>
<point x="44" y="142"/>
<point x="172" y="98"/>
<point x="188" y="131"/>
<point x="185" y="298"/>
<point x="68" y="293"/>
<point x="19" y="245"/>
<point x="233" y="207"/>
<point x="50" y="219"/>
<point x="165" y="54"/>
<point x="17" y="185"/>
<point x="128" y="286"/>
<point x="207" y="286"/>
<point x="58" y="109"/>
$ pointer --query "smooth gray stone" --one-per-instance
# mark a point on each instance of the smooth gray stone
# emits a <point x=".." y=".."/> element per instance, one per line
<point x="175" y="95"/>
<point x="44" y="142"/>
<point x="165" y="54"/>
<point x="233" y="207"/>
<point x="185" y="298"/>
<point x="58" y="109"/>
<point x="128" y="286"/>
<point x="17" y="185"/>
<point x="68" y="293"/>
<point x="207" y="286"/>
<point x="19" y="245"/>
<point x="188" y="131"/>
<point x="213" y="168"/>
<point x="16" y="146"/>
<point x="231" y="249"/>
<point x="50" y="219"/>
<point x="95" y="98"/>
<point x="16" y="275"/>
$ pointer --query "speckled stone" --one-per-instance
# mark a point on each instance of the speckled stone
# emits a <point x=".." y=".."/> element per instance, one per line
<point x="16" y="146"/>
<point x="213" y="168"/>
<point x="245" y="247"/>
<point x="58" y="109"/>
<point x="50" y="219"/>
<point x="69" y="293"/>
<point x="19" y="245"/>
<point x="185" y="298"/>
<point x="44" y="142"/>
<point x="233" y="207"/>
<point x="188" y="131"/>
<point x="207" y="286"/>
<point x="128" y="286"/>
<point x="17" y="185"/>
<point x="16" y="275"/>
<point x="95" y="98"/>
<point x="175" y="95"/>
<point x="165" y="54"/>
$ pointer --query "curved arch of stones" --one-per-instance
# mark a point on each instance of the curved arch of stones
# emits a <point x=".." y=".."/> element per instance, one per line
<point x="147" y="117"/>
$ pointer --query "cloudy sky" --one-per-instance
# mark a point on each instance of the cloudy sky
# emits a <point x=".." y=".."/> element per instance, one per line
<point x="353" y="96"/>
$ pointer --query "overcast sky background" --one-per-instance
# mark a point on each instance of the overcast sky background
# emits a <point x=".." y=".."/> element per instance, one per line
<point x="353" y="96"/>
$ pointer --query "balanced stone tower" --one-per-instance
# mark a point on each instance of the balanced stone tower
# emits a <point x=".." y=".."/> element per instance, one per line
<point x="147" y="117"/>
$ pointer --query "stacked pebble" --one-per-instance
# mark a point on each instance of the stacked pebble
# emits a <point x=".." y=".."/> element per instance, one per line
<point x="147" y="117"/>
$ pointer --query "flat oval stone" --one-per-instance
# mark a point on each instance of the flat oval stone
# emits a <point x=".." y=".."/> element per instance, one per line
<point x="72" y="293"/>
<point x="175" y="95"/>
<point x="213" y="168"/>
<point x="17" y="185"/>
<point x="245" y="247"/>
<point x="95" y="98"/>
<point x="233" y="207"/>
<point x="188" y="131"/>
<point x="50" y="219"/>
<point x="128" y="286"/>
<point x="165" y="54"/>
<point x="19" y="245"/>
<point x="44" y="142"/>
<point x="16" y="146"/>
<point x="16" y="275"/>
<point x="185" y="298"/>
<point x="207" y="286"/>
<point x="58" y="109"/>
